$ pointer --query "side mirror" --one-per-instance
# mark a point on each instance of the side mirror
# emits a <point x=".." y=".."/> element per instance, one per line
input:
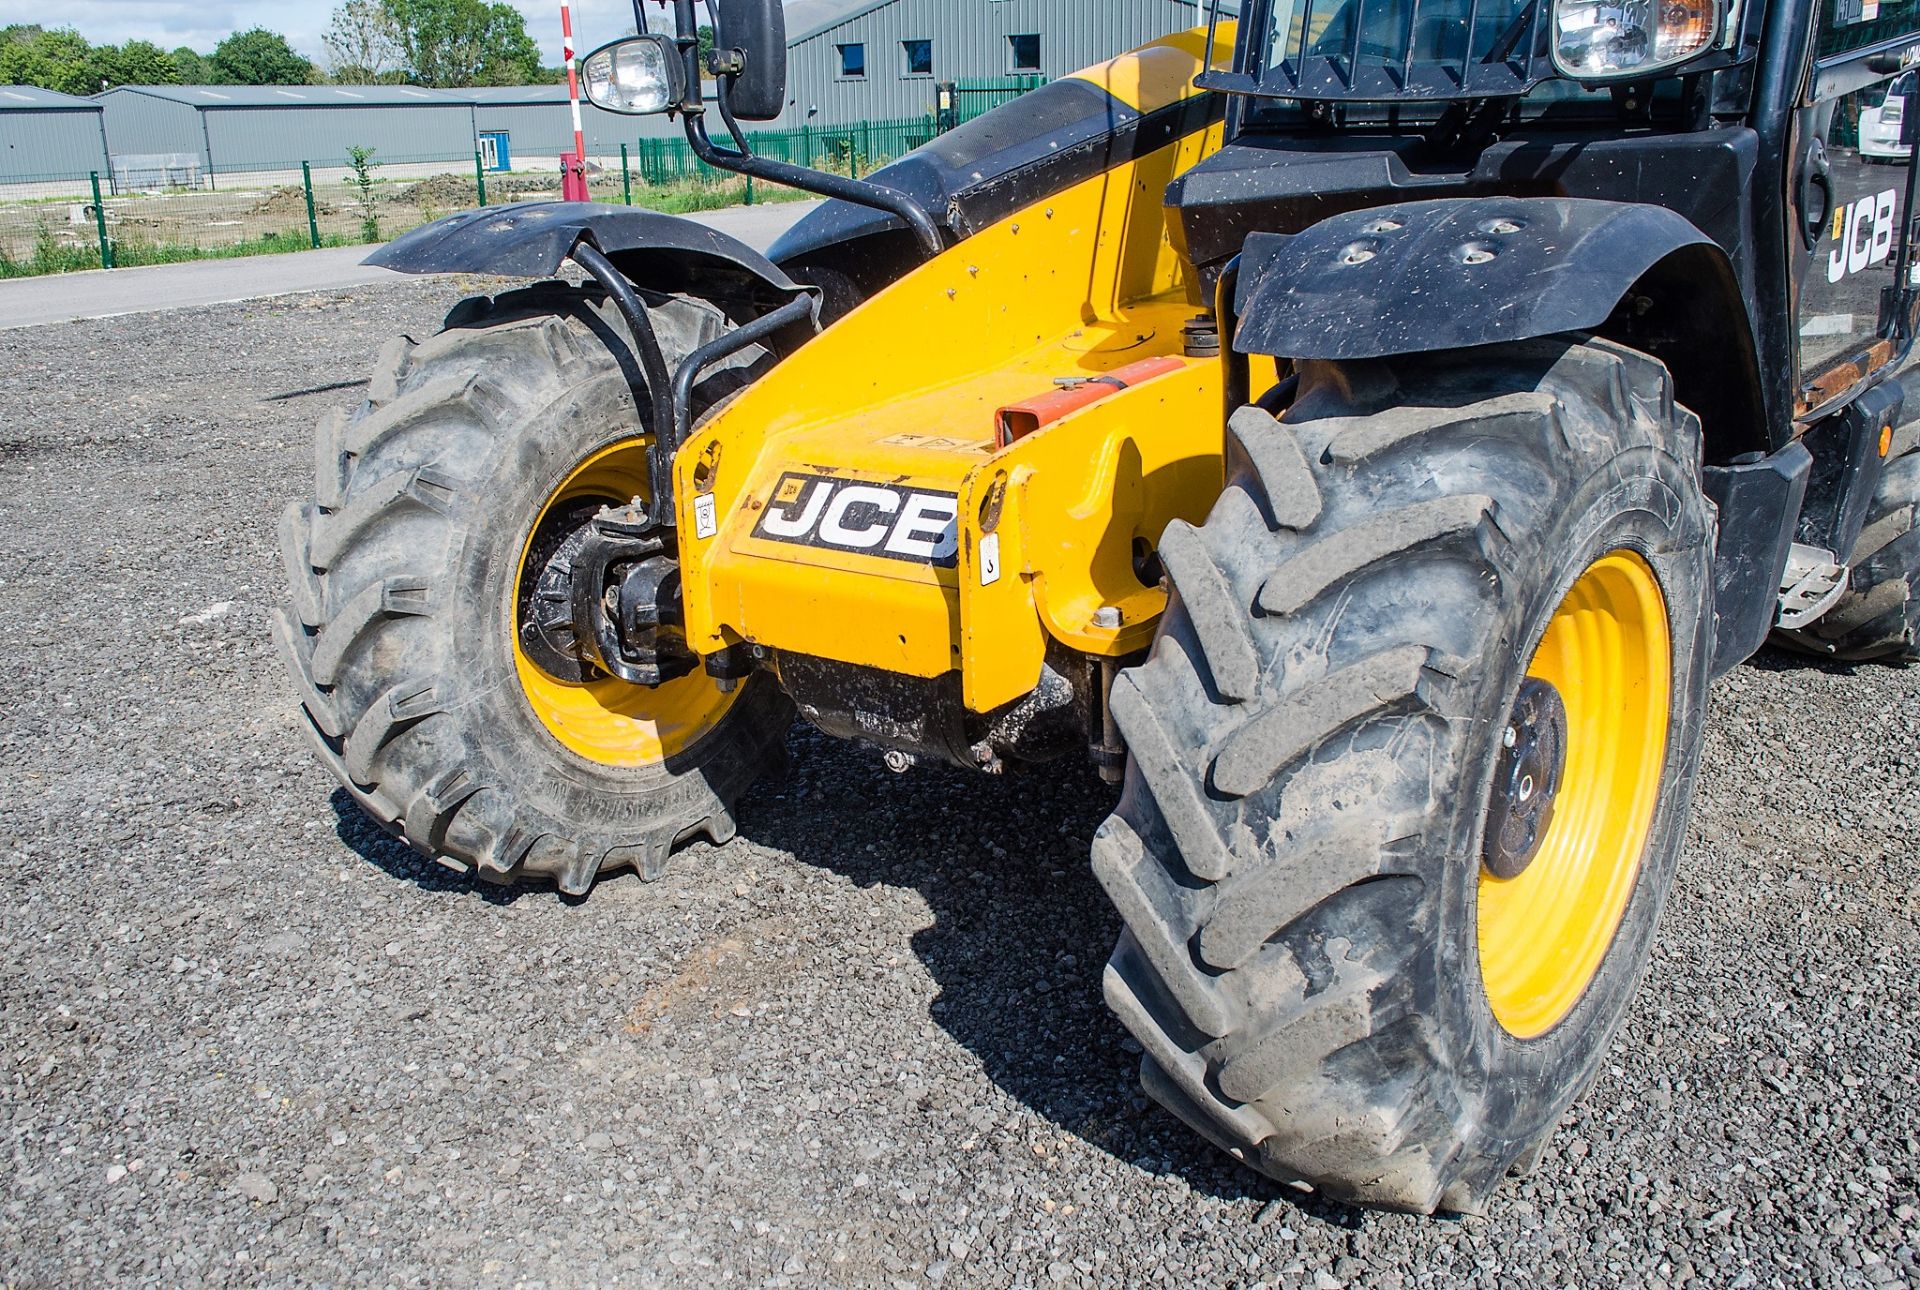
<point x="638" y="76"/>
<point x="750" y="57"/>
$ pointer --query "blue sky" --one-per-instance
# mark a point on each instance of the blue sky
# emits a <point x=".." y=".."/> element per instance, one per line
<point x="202" y="23"/>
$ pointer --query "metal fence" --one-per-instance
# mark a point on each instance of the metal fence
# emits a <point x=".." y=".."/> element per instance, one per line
<point x="974" y="98"/>
<point x="852" y="150"/>
<point x="154" y="213"/>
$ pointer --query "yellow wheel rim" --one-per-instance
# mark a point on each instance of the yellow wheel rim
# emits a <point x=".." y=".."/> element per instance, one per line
<point x="610" y="722"/>
<point x="1543" y="934"/>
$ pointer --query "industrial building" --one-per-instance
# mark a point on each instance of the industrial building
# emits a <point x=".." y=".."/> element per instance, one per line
<point x="237" y="128"/>
<point x="851" y="61"/>
<point x="879" y="60"/>
<point x="44" y="135"/>
<point x="533" y="124"/>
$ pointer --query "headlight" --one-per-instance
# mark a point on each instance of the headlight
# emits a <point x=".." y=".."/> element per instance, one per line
<point x="1609" y="39"/>
<point x="638" y="76"/>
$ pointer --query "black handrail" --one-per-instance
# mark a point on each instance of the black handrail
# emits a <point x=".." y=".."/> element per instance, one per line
<point x="802" y="308"/>
<point x="653" y="360"/>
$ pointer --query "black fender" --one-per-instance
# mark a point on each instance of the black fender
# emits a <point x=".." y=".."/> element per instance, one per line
<point x="996" y="164"/>
<point x="1418" y="277"/>
<point x="1448" y="274"/>
<point x="533" y="239"/>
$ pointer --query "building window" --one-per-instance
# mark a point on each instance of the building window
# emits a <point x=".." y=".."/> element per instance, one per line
<point x="1026" y="53"/>
<point x="919" y="57"/>
<point x="853" y="62"/>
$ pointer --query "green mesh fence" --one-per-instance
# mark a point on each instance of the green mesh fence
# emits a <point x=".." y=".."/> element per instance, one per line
<point x="853" y="150"/>
<point x="978" y="97"/>
<point x="56" y="222"/>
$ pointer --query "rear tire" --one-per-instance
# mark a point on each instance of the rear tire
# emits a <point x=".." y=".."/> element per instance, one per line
<point x="1297" y="855"/>
<point x="1878" y="617"/>
<point x="407" y="593"/>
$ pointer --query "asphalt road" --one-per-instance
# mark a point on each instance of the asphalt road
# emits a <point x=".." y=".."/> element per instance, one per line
<point x="246" y="1039"/>
<point x="66" y="297"/>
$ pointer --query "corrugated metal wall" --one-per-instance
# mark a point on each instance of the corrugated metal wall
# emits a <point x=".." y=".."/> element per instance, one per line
<point x="540" y="132"/>
<point x="39" y="144"/>
<point x="970" y="41"/>
<point x="969" y="38"/>
<point x="144" y="124"/>
<point x="260" y="138"/>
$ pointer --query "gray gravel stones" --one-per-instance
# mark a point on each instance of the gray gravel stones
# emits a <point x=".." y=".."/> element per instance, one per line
<point x="248" y="1039"/>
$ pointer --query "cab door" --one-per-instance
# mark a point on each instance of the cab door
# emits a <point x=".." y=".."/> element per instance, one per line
<point x="1854" y="191"/>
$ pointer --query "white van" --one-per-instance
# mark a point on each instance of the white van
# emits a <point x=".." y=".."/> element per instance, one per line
<point x="1880" y="121"/>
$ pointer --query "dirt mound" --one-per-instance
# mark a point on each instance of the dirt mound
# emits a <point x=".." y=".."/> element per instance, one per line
<point x="282" y="203"/>
<point x="441" y="190"/>
<point x="525" y="185"/>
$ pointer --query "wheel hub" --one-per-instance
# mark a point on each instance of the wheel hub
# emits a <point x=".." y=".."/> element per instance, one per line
<point x="546" y="594"/>
<point x="594" y="590"/>
<point x="605" y="601"/>
<point x="1526" y="780"/>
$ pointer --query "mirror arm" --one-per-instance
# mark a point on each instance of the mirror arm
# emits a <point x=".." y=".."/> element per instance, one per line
<point x="693" y="109"/>
<point x="740" y="144"/>
<point x="877" y="196"/>
<point x="687" y="26"/>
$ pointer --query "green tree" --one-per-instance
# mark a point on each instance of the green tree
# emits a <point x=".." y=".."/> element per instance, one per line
<point x="259" y="57"/>
<point x="194" y="68"/>
<point x="54" y="60"/>
<point x="362" y="47"/>
<point x="139" y="62"/>
<point x="463" y="42"/>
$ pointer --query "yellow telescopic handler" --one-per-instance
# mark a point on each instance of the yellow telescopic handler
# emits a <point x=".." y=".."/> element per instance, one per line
<point x="1363" y="430"/>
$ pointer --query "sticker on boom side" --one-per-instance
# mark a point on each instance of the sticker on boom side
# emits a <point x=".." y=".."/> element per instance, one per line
<point x="916" y="525"/>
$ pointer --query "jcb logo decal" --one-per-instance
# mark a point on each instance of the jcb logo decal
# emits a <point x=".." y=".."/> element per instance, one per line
<point x="883" y="520"/>
<point x="1864" y="232"/>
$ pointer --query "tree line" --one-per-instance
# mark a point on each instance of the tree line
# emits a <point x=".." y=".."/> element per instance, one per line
<point x="439" y="43"/>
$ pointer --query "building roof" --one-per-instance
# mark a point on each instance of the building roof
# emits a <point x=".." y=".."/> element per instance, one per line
<point x="498" y="95"/>
<point x="809" y="18"/>
<point x="284" y="96"/>
<point x="31" y="98"/>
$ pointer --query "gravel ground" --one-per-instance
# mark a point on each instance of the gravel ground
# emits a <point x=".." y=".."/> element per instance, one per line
<point x="249" y="1040"/>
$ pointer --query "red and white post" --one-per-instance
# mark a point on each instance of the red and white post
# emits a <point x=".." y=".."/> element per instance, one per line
<point x="573" y="169"/>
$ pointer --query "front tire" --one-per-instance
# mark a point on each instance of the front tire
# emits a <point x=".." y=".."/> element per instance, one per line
<point x="1327" y="979"/>
<point x="410" y="593"/>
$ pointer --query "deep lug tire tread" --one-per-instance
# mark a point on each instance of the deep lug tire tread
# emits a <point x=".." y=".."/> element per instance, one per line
<point x="371" y="560"/>
<point x="1278" y="965"/>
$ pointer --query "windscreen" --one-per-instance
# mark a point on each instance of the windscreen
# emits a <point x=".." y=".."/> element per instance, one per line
<point x="1400" y="49"/>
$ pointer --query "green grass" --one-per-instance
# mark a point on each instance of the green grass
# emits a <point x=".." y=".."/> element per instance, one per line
<point x="50" y="256"/>
<point x="691" y="197"/>
<point x="681" y="197"/>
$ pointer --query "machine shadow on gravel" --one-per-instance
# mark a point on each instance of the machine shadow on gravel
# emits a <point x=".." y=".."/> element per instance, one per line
<point x="1020" y="934"/>
<point x="1778" y="658"/>
<point x="360" y="835"/>
<point x="1021" y="930"/>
